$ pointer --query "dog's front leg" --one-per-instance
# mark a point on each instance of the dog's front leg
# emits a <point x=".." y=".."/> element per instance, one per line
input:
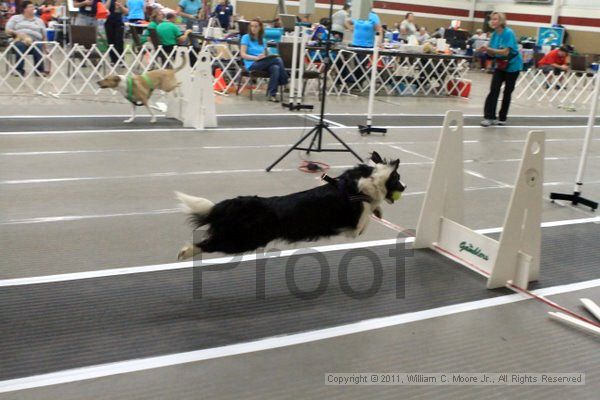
<point x="378" y="212"/>
<point x="363" y="221"/>
<point x="130" y="119"/>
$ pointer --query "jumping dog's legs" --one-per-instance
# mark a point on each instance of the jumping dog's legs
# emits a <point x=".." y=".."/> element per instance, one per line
<point x="363" y="220"/>
<point x="130" y="119"/>
<point x="188" y="251"/>
<point x="153" y="118"/>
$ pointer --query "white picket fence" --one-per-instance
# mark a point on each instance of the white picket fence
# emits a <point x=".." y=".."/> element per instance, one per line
<point x="397" y="74"/>
<point x="570" y="88"/>
<point x="75" y="70"/>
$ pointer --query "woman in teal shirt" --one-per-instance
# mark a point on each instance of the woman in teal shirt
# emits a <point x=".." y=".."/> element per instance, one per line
<point x="504" y="49"/>
<point x="253" y="50"/>
<point x="136" y="11"/>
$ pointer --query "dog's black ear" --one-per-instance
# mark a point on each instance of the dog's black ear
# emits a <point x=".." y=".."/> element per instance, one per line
<point x="395" y="164"/>
<point x="376" y="158"/>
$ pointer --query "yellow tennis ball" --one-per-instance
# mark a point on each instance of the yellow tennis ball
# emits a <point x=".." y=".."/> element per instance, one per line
<point x="396" y="195"/>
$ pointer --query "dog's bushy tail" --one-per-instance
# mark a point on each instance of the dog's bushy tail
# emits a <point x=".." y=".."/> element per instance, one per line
<point x="197" y="207"/>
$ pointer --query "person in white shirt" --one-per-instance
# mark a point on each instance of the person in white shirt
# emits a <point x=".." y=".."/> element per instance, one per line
<point x="26" y="28"/>
<point x="480" y="39"/>
<point x="339" y="20"/>
<point x="409" y="24"/>
<point x="422" y="36"/>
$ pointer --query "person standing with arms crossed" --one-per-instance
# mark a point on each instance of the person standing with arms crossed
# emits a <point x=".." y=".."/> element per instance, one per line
<point x="504" y="50"/>
<point x="115" y="28"/>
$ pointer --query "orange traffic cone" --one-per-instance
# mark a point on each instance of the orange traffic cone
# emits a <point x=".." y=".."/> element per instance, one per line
<point x="220" y="84"/>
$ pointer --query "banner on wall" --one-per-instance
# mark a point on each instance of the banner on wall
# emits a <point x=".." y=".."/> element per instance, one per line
<point x="550" y="36"/>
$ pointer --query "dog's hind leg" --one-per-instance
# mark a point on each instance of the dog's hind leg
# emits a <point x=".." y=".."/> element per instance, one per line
<point x="130" y="119"/>
<point x="153" y="118"/>
<point x="188" y="251"/>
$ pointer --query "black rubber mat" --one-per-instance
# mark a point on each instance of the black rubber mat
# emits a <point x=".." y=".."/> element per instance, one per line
<point x="84" y="124"/>
<point x="142" y="121"/>
<point x="416" y="120"/>
<point x="50" y="327"/>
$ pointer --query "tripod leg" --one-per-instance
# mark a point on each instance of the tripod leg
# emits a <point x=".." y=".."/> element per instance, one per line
<point x="303" y="138"/>
<point x="318" y="131"/>
<point x="343" y="143"/>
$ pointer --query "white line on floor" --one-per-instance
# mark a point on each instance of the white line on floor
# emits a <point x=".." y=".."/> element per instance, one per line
<point x="247" y="257"/>
<point x="73" y="116"/>
<point x="153" y="175"/>
<point x="38" y="116"/>
<point x="281" y="146"/>
<point x="129" y="366"/>
<point x="81" y="131"/>
<point x="67" y="218"/>
<point x="330" y="122"/>
<point x="467" y="171"/>
<point x="490" y="129"/>
<point x="209" y="172"/>
<point x="260" y="129"/>
<point x="197" y="263"/>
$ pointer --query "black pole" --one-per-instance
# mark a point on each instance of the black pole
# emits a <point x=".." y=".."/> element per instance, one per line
<point x="317" y="130"/>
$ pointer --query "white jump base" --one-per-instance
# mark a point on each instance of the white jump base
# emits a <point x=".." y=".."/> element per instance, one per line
<point x="515" y="257"/>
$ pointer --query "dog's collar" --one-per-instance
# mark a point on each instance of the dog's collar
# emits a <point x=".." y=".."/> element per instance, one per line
<point x="355" y="197"/>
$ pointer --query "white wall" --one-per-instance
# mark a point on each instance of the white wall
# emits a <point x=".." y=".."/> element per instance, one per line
<point x="573" y="3"/>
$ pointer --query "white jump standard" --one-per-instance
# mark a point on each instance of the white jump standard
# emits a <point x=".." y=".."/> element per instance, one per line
<point x="195" y="104"/>
<point x="515" y="258"/>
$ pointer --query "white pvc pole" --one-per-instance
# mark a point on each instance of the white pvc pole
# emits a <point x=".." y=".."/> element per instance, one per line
<point x="373" y="82"/>
<point x="556" y="12"/>
<point x="589" y="133"/>
<point x="303" y="41"/>
<point x="294" y="63"/>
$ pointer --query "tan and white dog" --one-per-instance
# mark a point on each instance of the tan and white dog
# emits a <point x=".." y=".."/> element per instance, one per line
<point x="138" y="88"/>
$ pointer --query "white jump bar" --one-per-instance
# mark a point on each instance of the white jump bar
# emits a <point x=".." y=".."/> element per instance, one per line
<point x="575" y="322"/>
<point x="591" y="307"/>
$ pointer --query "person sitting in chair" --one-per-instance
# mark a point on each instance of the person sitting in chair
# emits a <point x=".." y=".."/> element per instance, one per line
<point x="253" y="50"/>
<point x="479" y="40"/>
<point x="26" y="28"/>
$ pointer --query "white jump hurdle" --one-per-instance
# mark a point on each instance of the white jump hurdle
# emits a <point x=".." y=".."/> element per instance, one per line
<point x="194" y="102"/>
<point x="516" y="256"/>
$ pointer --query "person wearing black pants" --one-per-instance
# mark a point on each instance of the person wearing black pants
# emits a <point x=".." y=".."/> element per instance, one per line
<point x="504" y="49"/>
<point x="509" y="79"/>
<point x="115" y="28"/>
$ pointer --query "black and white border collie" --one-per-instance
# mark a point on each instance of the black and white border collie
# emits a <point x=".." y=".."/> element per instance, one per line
<point x="342" y="205"/>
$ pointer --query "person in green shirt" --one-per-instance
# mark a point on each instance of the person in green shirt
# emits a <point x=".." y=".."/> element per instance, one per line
<point x="170" y="35"/>
<point x="155" y="19"/>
